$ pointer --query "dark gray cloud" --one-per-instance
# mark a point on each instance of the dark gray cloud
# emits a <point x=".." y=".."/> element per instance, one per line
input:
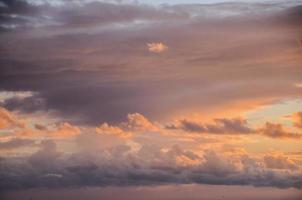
<point x="26" y="105"/>
<point x="220" y="126"/>
<point x="18" y="14"/>
<point x="278" y="131"/>
<point x="234" y="126"/>
<point x="16" y="7"/>
<point x="50" y="168"/>
<point x="94" y="66"/>
<point x="192" y="126"/>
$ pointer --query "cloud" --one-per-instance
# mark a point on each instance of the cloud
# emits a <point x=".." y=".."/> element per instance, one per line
<point x="278" y="131"/>
<point x="105" y="128"/>
<point x="4" y="95"/>
<point x="102" y="157"/>
<point x="221" y="126"/>
<point x="190" y="126"/>
<point x="86" y="66"/>
<point x="24" y="104"/>
<point x="157" y="47"/>
<point x="138" y="122"/>
<point x="297" y="118"/>
<point x="147" y="166"/>
<point x="196" y="62"/>
<point x="279" y="162"/>
<point x="16" y="126"/>
<point x="64" y="130"/>
<point x="8" y="120"/>
<point x="237" y="126"/>
<point x="46" y="158"/>
<point x="20" y="14"/>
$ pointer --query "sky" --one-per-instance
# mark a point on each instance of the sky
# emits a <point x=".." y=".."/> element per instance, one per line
<point x="171" y="100"/>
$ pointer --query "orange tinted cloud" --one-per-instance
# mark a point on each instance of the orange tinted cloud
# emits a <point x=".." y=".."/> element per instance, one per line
<point x="64" y="130"/>
<point x="56" y="131"/>
<point x="138" y="122"/>
<point x="157" y="47"/>
<point x="236" y="126"/>
<point x="297" y="118"/>
<point x="27" y="129"/>
<point x="8" y="120"/>
<point x="105" y="128"/>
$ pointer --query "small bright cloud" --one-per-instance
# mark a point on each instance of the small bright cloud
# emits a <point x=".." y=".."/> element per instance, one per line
<point x="157" y="47"/>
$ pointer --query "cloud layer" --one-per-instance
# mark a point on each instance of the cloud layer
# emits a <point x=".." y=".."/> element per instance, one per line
<point x="129" y="154"/>
<point x="91" y="66"/>
<point x="198" y="86"/>
<point x="120" y="166"/>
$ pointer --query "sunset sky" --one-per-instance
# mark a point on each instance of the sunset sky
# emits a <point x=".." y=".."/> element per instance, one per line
<point x="151" y="100"/>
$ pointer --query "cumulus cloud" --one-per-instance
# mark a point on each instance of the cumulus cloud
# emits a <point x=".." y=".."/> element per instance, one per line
<point x="278" y="131"/>
<point x="65" y="130"/>
<point x="221" y="126"/>
<point x="102" y="157"/>
<point x="146" y="166"/>
<point x="17" y="126"/>
<point x="157" y="47"/>
<point x="112" y="130"/>
<point x="234" y="126"/>
<point x="138" y="122"/>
